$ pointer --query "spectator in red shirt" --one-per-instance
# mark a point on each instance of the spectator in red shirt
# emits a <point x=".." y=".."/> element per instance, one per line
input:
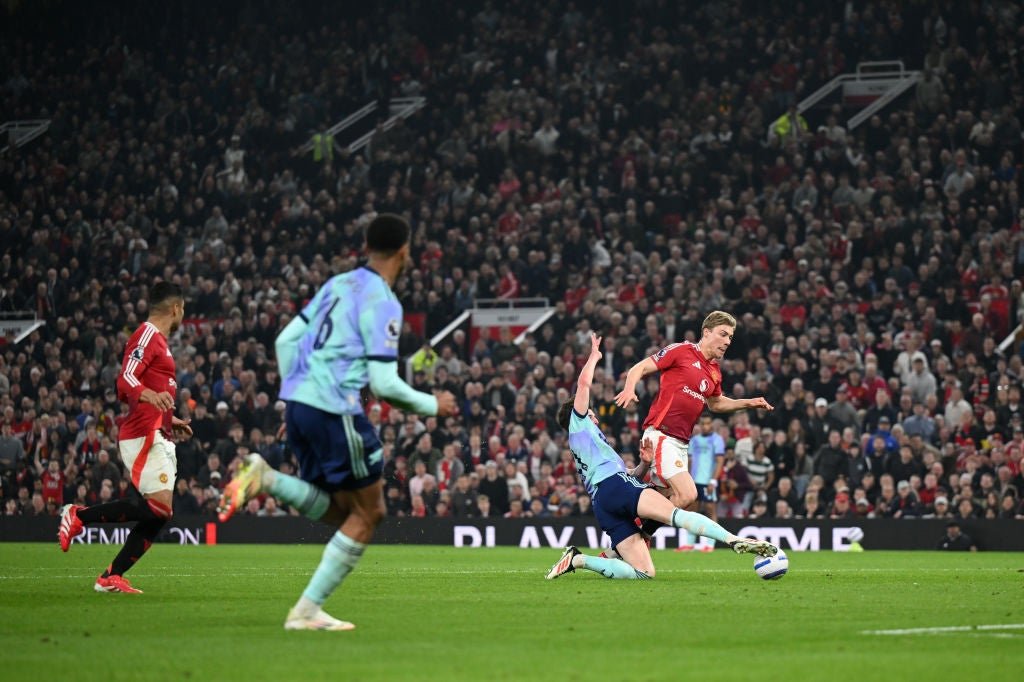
<point x="576" y="293"/>
<point x="632" y="291"/>
<point x="510" y="220"/>
<point x="793" y="308"/>
<point x="53" y="481"/>
<point x="874" y="383"/>
<point x="509" y="184"/>
<point x="508" y="285"/>
<point x="858" y="393"/>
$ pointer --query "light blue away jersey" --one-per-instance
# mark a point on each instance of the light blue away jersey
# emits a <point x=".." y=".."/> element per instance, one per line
<point x="354" y="318"/>
<point x="703" y="451"/>
<point x="595" y="459"/>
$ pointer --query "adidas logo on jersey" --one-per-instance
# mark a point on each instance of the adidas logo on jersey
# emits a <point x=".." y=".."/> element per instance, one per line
<point x="697" y="364"/>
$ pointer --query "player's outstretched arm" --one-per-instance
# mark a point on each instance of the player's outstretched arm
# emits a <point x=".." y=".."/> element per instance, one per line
<point x="637" y="372"/>
<point x="581" y="403"/>
<point x="721" y="404"/>
<point x="287" y="344"/>
<point x="385" y="383"/>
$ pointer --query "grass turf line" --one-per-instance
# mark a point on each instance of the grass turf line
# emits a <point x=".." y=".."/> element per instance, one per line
<point x="488" y="614"/>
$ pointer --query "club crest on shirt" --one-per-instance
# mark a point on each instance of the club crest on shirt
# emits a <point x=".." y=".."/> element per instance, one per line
<point x="138" y="353"/>
<point x="394" y="329"/>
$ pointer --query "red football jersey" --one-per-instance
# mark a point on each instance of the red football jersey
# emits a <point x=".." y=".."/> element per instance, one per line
<point x="147" y="364"/>
<point x="687" y="380"/>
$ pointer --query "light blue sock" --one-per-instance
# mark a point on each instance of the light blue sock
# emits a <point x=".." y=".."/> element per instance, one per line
<point x="340" y="556"/>
<point x="613" y="568"/>
<point x="698" y="524"/>
<point x="306" y="498"/>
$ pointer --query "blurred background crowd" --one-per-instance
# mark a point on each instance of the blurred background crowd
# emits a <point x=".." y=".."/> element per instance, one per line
<point x="637" y="164"/>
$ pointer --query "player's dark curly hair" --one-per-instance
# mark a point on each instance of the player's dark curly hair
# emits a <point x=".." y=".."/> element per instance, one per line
<point x="387" y="233"/>
<point x="564" y="412"/>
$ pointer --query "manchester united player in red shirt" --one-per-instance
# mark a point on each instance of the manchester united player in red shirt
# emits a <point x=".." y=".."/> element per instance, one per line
<point x="690" y="378"/>
<point x="147" y="384"/>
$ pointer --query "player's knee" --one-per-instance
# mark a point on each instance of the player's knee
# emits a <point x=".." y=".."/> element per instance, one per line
<point x="160" y="510"/>
<point x="682" y="500"/>
<point x="378" y="513"/>
<point x="372" y="515"/>
<point x="649" y="571"/>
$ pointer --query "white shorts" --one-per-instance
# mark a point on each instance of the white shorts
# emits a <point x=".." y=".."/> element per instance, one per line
<point x="671" y="456"/>
<point x="151" y="462"/>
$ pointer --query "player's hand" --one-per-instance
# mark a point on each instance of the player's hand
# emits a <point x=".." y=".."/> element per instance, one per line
<point x="646" y="451"/>
<point x="161" y="401"/>
<point x="760" y="403"/>
<point x="181" y="428"/>
<point x="595" y="346"/>
<point x="625" y="397"/>
<point x="446" y="406"/>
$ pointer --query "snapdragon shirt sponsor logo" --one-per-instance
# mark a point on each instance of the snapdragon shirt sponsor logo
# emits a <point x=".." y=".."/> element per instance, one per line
<point x="692" y="393"/>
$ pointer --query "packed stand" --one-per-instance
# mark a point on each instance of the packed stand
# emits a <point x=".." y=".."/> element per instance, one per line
<point x="637" y="166"/>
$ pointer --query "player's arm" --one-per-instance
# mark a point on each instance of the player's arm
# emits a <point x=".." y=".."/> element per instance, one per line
<point x="637" y="372"/>
<point x="286" y="345"/>
<point x="380" y="324"/>
<point x="582" y="401"/>
<point x="386" y="384"/>
<point x="646" y="457"/>
<point x="721" y="404"/>
<point x="129" y="381"/>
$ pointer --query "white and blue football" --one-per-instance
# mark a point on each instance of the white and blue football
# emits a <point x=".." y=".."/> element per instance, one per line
<point x="771" y="568"/>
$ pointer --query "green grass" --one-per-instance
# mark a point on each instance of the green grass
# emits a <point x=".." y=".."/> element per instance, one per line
<point x="426" y="613"/>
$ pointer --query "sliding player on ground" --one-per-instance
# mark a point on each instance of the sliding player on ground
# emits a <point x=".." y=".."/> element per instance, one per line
<point x="619" y="498"/>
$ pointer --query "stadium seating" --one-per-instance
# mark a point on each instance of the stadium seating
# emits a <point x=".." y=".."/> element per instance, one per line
<point x="612" y="158"/>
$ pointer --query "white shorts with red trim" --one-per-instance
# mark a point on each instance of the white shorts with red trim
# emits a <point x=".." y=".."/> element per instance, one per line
<point x="671" y="456"/>
<point x="151" y="462"/>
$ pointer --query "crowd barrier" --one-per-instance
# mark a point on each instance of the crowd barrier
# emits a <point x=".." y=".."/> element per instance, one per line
<point x="824" y="535"/>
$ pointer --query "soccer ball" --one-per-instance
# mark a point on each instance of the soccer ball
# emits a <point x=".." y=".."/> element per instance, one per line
<point x="771" y="568"/>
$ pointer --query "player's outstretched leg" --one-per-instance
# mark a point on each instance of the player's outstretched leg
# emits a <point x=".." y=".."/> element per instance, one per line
<point x="564" y="564"/>
<point x="255" y="476"/>
<point x="70" y="525"/>
<point x="654" y="506"/>
<point x="752" y="546"/>
<point x="246" y="484"/>
<point x="572" y="559"/>
<point x="74" y="517"/>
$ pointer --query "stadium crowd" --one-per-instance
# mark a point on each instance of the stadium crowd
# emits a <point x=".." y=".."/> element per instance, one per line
<point x="637" y="165"/>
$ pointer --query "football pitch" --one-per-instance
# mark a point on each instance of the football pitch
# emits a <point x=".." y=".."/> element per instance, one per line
<point x="425" y="613"/>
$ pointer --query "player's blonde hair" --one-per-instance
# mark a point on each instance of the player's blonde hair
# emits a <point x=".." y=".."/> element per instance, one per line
<point x="716" y="318"/>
